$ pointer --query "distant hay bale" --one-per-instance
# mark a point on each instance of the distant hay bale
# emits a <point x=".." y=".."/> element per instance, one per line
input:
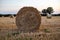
<point x="49" y="16"/>
<point x="2" y="16"/>
<point x="28" y="19"/>
<point x="11" y="16"/>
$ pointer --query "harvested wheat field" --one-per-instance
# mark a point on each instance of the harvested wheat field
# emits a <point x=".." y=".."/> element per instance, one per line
<point x="49" y="30"/>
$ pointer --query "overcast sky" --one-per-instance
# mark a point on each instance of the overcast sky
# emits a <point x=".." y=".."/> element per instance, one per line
<point x="14" y="5"/>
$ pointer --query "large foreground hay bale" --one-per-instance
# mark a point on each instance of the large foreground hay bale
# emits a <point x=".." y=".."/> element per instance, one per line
<point x="28" y="19"/>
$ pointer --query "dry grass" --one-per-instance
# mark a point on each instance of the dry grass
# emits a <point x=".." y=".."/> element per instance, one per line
<point x="7" y="23"/>
<point x="52" y="24"/>
<point x="31" y="36"/>
<point x="10" y="22"/>
<point x="50" y="29"/>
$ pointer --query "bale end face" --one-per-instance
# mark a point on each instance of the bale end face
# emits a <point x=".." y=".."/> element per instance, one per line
<point x="28" y="19"/>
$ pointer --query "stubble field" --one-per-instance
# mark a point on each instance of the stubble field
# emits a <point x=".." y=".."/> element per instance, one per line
<point x="47" y="27"/>
<point x="53" y="23"/>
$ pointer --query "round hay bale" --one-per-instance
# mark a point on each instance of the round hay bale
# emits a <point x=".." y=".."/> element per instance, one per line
<point x="11" y="16"/>
<point x="49" y="16"/>
<point x="28" y="19"/>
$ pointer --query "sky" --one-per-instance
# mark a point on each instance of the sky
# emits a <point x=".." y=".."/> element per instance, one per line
<point x="13" y="6"/>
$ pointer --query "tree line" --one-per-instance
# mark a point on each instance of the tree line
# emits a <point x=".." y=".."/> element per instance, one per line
<point x="49" y="10"/>
<point x="7" y="15"/>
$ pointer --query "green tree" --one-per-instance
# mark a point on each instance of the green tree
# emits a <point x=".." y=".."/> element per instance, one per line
<point x="49" y="10"/>
<point x="44" y="11"/>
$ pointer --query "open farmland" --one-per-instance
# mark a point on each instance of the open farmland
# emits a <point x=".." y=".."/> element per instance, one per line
<point x="53" y="23"/>
<point x="48" y="28"/>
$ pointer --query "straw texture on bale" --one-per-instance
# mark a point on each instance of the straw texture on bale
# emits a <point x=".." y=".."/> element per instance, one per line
<point x="28" y="19"/>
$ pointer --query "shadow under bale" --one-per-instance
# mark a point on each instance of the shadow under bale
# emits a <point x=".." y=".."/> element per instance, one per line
<point x="28" y="19"/>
